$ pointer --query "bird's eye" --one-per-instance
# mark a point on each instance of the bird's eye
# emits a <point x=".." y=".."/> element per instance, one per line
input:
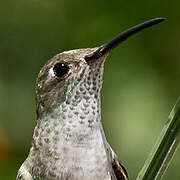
<point x="60" y="69"/>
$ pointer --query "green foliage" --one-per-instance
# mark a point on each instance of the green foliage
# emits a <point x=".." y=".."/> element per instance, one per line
<point x="164" y="149"/>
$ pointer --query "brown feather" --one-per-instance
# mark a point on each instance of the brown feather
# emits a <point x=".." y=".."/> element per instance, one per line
<point x="119" y="170"/>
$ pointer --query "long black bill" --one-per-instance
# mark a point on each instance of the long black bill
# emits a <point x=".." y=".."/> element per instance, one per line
<point x="110" y="45"/>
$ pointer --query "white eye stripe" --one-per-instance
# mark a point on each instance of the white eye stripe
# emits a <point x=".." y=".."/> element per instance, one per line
<point x="51" y="72"/>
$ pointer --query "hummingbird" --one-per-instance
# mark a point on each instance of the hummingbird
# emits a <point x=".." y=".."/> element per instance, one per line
<point x="69" y="141"/>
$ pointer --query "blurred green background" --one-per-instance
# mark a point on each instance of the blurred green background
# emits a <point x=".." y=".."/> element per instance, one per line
<point x="141" y="80"/>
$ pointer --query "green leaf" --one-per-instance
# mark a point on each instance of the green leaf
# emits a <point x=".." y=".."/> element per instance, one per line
<point x="164" y="149"/>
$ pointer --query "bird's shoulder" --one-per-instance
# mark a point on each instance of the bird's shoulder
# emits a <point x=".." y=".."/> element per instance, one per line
<point x="117" y="167"/>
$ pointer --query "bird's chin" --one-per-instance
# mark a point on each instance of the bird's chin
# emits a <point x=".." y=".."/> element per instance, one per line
<point x="97" y="63"/>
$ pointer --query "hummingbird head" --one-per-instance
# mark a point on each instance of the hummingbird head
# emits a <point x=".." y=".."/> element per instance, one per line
<point x="68" y="77"/>
<point x="74" y="75"/>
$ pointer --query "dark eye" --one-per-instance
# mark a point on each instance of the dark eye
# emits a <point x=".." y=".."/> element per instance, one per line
<point x="60" y="69"/>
